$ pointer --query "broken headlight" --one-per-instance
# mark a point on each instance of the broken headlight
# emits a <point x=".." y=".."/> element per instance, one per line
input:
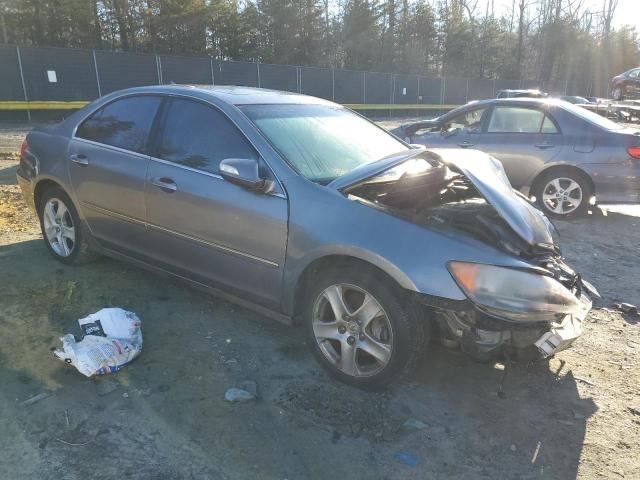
<point x="514" y="294"/>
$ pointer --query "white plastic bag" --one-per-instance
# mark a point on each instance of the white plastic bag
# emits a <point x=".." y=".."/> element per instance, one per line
<point x="113" y="337"/>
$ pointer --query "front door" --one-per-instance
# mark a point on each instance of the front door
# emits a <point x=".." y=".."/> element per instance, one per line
<point x="523" y="139"/>
<point x="202" y="226"/>
<point x="108" y="165"/>
<point x="461" y="131"/>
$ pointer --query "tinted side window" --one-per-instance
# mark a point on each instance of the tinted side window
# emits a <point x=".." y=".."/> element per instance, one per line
<point x="468" y="122"/>
<point x="548" y="126"/>
<point x="515" y="120"/>
<point x="199" y="136"/>
<point x="124" y="123"/>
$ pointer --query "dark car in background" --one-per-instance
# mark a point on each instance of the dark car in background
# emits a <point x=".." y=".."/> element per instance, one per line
<point x="626" y="85"/>
<point x="562" y="154"/>
<point x="303" y="210"/>
<point x="521" y="93"/>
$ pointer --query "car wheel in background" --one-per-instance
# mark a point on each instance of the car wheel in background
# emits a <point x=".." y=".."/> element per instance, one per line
<point x="61" y="228"/>
<point x="363" y="330"/>
<point x="563" y="194"/>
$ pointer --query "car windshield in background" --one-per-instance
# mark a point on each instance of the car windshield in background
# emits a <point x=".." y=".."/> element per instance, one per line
<point x="322" y="142"/>
<point x="592" y="117"/>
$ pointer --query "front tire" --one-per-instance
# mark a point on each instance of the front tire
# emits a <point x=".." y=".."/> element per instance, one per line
<point x="563" y="194"/>
<point x="362" y="328"/>
<point x="62" y="229"/>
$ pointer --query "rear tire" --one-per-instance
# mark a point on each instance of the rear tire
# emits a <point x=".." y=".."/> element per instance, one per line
<point x="617" y="94"/>
<point x="563" y="194"/>
<point x="62" y="229"/>
<point x="389" y="327"/>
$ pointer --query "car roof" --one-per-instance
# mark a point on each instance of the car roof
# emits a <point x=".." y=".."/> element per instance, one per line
<point x="234" y="95"/>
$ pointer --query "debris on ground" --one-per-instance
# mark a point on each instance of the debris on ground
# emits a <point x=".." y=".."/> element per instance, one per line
<point x="244" y="392"/>
<point x="112" y="338"/>
<point x="407" y="458"/>
<point x="414" y="424"/>
<point x="35" y="399"/>
<point x="634" y="410"/>
<point x="627" y="308"/>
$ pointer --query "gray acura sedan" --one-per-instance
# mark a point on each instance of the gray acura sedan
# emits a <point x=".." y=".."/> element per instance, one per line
<point x="562" y="154"/>
<point x="307" y="212"/>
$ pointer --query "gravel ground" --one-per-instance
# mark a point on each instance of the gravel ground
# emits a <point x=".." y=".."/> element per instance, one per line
<point x="164" y="415"/>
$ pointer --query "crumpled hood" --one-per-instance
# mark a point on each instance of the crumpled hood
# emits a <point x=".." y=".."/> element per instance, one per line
<point x="487" y="176"/>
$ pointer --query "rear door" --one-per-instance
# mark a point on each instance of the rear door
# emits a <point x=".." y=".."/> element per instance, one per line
<point x="523" y="138"/>
<point x="202" y="226"/>
<point x="108" y="161"/>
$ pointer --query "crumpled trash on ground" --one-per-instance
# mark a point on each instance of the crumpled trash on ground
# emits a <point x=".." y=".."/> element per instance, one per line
<point x="112" y="338"/>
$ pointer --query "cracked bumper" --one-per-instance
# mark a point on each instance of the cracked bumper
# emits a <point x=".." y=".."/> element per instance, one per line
<point x="560" y="337"/>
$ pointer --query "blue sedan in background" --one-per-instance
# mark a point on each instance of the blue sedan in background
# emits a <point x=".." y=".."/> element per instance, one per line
<point x="565" y="156"/>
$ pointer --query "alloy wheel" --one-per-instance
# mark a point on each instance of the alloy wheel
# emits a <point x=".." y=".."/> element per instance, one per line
<point x="562" y="195"/>
<point x="58" y="227"/>
<point x="352" y="330"/>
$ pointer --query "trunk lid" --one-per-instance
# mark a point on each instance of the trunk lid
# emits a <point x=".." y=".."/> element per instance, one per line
<point x="483" y="171"/>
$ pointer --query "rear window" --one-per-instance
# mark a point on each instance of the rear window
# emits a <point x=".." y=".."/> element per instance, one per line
<point x="592" y="117"/>
<point x="124" y="123"/>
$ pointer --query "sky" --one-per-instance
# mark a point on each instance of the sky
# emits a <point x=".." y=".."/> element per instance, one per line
<point x="628" y="11"/>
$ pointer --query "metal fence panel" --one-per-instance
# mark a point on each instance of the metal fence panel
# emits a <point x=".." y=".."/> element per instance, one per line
<point x="317" y="82"/>
<point x="279" y="77"/>
<point x="349" y="86"/>
<point x="405" y="89"/>
<point x="533" y="84"/>
<point x="455" y="90"/>
<point x="378" y="87"/>
<point x="10" y="83"/>
<point x="480" y="89"/>
<point x="183" y="69"/>
<point x="118" y="70"/>
<point x="59" y="74"/>
<point x="235" y="73"/>
<point x="430" y="91"/>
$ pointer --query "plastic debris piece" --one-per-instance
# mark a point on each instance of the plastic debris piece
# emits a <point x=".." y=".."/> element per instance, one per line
<point x="113" y="338"/>
<point x="407" y="458"/>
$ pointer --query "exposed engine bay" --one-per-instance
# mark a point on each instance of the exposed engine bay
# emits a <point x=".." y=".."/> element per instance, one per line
<point x="431" y="193"/>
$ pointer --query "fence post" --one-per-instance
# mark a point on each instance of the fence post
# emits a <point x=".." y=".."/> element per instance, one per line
<point x="364" y="88"/>
<point x="393" y="89"/>
<point x="493" y="95"/>
<point x="24" y="86"/>
<point x="299" y="78"/>
<point x="95" y="67"/>
<point x="159" y="69"/>
<point x="466" y="95"/>
<point x="333" y="84"/>
<point x="213" y="77"/>
<point x="443" y="89"/>
<point x="258" y="73"/>
<point x="418" y="91"/>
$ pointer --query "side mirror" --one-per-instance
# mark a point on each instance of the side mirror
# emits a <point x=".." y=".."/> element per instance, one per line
<point x="244" y="172"/>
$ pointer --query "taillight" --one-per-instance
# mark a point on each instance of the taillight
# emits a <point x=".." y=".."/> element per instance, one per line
<point x="23" y="148"/>
<point x="634" y="152"/>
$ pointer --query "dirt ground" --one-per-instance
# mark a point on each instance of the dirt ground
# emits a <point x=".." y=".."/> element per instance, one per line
<point x="164" y="416"/>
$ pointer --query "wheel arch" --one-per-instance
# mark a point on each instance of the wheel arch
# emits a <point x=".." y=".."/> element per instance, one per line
<point x="294" y="302"/>
<point x="535" y="183"/>
<point x="42" y="186"/>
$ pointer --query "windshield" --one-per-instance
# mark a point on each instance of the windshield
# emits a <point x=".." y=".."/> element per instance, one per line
<point x="322" y="142"/>
<point x="592" y="117"/>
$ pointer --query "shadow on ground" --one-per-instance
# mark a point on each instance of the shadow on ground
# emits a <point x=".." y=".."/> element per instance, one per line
<point x="164" y="415"/>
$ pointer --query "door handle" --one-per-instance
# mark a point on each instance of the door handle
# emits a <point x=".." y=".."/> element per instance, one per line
<point x="544" y="145"/>
<point x="466" y="144"/>
<point x="79" y="158"/>
<point x="165" y="183"/>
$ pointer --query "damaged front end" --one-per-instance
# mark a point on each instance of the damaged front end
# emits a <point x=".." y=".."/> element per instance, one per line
<point x="525" y="313"/>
